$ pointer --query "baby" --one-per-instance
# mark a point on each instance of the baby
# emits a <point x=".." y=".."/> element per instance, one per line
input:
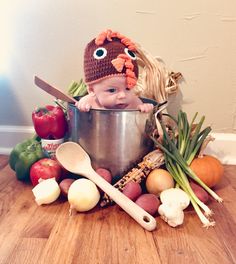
<point x="111" y="72"/>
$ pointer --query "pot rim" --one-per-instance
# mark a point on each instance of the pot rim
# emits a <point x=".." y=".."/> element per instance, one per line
<point x="144" y="99"/>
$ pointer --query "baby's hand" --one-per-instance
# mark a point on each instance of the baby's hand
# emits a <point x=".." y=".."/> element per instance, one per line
<point x="145" y="108"/>
<point x="84" y="104"/>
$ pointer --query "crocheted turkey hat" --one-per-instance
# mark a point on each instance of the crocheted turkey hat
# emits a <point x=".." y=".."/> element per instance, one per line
<point x="110" y="54"/>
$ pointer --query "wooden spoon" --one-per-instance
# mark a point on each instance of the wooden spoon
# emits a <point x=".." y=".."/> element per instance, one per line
<point x="53" y="90"/>
<point x="74" y="159"/>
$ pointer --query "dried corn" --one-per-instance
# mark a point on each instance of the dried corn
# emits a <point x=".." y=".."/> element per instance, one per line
<point x="151" y="161"/>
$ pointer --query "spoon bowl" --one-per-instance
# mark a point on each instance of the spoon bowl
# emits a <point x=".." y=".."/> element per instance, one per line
<point x="74" y="159"/>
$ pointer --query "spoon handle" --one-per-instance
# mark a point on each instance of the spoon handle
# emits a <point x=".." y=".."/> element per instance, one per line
<point x="53" y="90"/>
<point x="136" y="212"/>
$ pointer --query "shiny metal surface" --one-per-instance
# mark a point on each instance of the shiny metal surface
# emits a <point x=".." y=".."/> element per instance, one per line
<point x="114" y="139"/>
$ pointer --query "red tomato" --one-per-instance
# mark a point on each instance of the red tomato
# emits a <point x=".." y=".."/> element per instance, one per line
<point x="44" y="169"/>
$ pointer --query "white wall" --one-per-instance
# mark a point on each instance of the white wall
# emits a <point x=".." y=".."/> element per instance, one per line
<point x="47" y="38"/>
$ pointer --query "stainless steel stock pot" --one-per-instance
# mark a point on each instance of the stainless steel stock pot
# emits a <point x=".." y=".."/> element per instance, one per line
<point x="114" y="139"/>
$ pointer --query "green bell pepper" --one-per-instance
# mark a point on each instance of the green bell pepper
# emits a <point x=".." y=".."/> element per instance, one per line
<point x="23" y="156"/>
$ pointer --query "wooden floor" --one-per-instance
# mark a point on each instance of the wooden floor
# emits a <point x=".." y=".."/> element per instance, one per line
<point x="47" y="234"/>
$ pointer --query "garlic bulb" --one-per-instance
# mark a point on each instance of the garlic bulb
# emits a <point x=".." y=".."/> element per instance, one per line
<point x="174" y="201"/>
<point x="171" y="214"/>
<point x="46" y="192"/>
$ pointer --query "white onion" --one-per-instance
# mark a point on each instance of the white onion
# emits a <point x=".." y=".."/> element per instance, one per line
<point x="46" y="192"/>
<point x="83" y="195"/>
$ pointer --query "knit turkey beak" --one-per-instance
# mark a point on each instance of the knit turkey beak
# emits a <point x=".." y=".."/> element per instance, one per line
<point x="118" y="64"/>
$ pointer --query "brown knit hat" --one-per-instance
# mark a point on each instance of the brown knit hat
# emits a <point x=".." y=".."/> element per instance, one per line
<point x="110" y="54"/>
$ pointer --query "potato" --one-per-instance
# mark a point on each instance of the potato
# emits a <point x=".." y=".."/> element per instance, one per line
<point x="159" y="180"/>
<point x="65" y="185"/>
<point x="104" y="173"/>
<point x="132" y="190"/>
<point x="201" y="194"/>
<point x="149" y="202"/>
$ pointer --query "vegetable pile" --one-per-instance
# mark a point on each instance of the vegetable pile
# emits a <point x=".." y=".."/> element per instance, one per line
<point x="168" y="179"/>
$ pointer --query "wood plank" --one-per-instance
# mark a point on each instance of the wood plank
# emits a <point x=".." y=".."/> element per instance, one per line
<point x="27" y="250"/>
<point x="3" y="161"/>
<point x="14" y="220"/>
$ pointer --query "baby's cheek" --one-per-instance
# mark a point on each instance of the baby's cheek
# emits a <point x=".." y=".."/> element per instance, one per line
<point x="107" y="100"/>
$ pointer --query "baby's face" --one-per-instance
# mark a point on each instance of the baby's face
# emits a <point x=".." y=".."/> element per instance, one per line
<point x="113" y="93"/>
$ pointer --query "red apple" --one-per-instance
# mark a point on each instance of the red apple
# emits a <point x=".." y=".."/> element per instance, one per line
<point x="44" y="169"/>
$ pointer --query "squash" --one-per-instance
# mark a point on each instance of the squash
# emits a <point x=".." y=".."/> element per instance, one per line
<point x="209" y="169"/>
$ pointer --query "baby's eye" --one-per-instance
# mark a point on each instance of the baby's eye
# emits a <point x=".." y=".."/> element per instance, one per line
<point x="127" y="89"/>
<point x="111" y="90"/>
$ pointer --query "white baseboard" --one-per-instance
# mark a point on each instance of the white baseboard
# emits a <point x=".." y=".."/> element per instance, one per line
<point x="11" y="135"/>
<point x="223" y="147"/>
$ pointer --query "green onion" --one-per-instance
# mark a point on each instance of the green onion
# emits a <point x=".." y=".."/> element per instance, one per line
<point x="179" y="153"/>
